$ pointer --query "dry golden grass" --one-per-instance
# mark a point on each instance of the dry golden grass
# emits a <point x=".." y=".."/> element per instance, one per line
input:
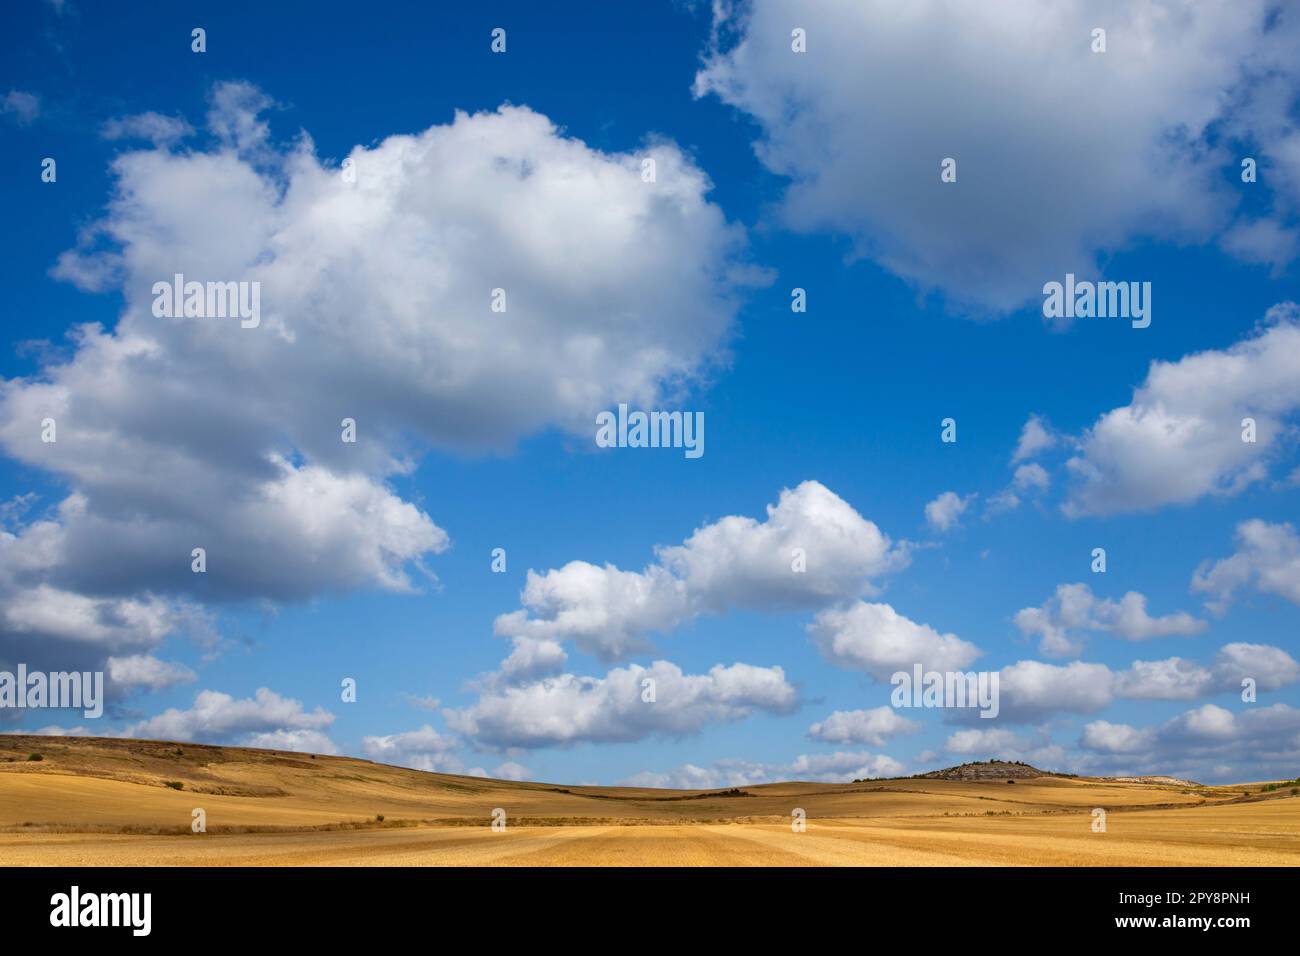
<point x="93" y="801"/>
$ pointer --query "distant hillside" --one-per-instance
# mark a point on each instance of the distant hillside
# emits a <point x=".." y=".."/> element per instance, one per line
<point x="82" y="801"/>
<point x="1157" y="778"/>
<point x="988" y="770"/>
<point x="1016" y="770"/>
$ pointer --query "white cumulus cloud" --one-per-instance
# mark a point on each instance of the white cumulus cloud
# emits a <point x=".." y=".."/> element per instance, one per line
<point x="876" y="639"/>
<point x="1062" y="153"/>
<point x="735" y="562"/>
<point x="422" y="749"/>
<point x="1181" y="436"/>
<point x="872" y="727"/>
<point x="568" y="709"/>
<point x="264" y="720"/>
<point x="375" y="293"/>
<point x="1074" y="608"/>
<point x="1267" y="558"/>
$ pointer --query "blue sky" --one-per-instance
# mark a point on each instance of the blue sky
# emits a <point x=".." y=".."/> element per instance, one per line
<point x="775" y="170"/>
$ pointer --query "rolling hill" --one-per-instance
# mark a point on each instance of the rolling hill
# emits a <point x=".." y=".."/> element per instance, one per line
<point x="116" y="801"/>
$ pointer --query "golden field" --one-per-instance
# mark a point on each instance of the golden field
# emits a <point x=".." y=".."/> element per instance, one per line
<point x="108" y="802"/>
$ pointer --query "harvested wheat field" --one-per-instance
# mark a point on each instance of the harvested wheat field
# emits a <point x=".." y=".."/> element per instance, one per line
<point x="107" y="802"/>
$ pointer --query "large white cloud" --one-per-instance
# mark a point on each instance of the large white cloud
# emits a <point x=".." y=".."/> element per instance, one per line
<point x="1033" y="690"/>
<point x="734" y="562"/>
<point x="1062" y="152"/>
<point x="375" y="291"/>
<point x="739" y="561"/>
<point x="568" y="709"/>
<point x="1181" y="436"/>
<point x="876" y="639"/>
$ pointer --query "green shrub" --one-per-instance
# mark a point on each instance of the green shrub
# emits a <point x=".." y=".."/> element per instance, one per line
<point x="35" y="757"/>
<point x="175" y="784"/>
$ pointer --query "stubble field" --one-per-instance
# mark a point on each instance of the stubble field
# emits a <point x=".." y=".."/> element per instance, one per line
<point x="108" y="802"/>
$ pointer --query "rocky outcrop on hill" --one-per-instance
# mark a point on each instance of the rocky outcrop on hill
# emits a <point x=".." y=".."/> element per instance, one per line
<point x="986" y="770"/>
